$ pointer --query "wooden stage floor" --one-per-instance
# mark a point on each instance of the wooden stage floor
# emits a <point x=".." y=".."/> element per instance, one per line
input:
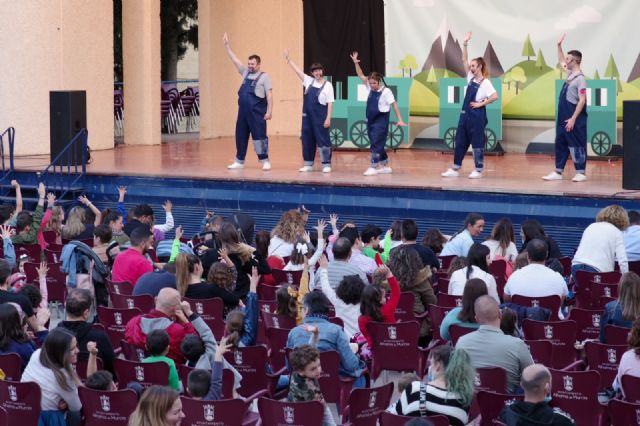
<point x="208" y="159"/>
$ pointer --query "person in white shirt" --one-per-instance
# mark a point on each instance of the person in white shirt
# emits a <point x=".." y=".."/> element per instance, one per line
<point x="345" y="299"/>
<point x="602" y="243"/>
<point x="460" y="243"/>
<point x="380" y="99"/>
<point x="286" y="232"/>
<point x="631" y="237"/>
<point x="478" y="267"/>
<point x="501" y="243"/>
<point x="536" y="279"/>
<point x="358" y="259"/>
<point x="316" y="115"/>
<point x="473" y="117"/>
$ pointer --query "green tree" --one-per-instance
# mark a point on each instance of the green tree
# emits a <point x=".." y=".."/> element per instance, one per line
<point x="596" y="76"/>
<point x="527" y="49"/>
<point x="540" y="62"/>
<point x="411" y="63"/>
<point x="431" y="76"/>
<point x="518" y="76"/>
<point x="178" y="29"/>
<point x="506" y="79"/>
<point x="117" y="40"/>
<point x="561" y="70"/>
<point x="403" y="65"/>
<point x="612" y="72"/>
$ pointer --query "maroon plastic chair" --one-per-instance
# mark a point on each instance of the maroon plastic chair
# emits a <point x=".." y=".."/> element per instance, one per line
<point x="498" y="268"/>
<point x="30" y="270"/>
<point x="267" y="292"/>
<point x="449" y="300"/>
<point x="576" y="392"/>
<point x="21" y="401"/>
<point x="366" y="405"/>
<point x="277" y="321"/>
<point x="335" y="389"/>
<point x="443" y="285"/>
<point x="144" y="302"/>
<point x="492" y="403"/>
<point x="457" y="331"/>
<point x="211" y="311"/>
<point x="11" y="365"/>
<point x="250" y="362"/>
<point x="4" y="417"/>
<point x="602" y="293"/>
<point x="228" y="412"/>
<point x="541" y="351"/>
<point x="604" y="358"/>
<point x="50" y="237"/>
<point x="119" y="287"/>
<point x="132" y="352"/>
<point x="445" y="261"/>
<point x="107" y="408"/>
<point x="562" y="334"/>
<point x="56" y="283"/>
<point x="279" y="413"/>
<point x="276" y="343"/>
<point x="286" y="277"/>
<point x="630" y="388"/>
<point x="615" y="335"/>
<point x="80" y="367"/>
<point x="114" y="321"/>
<point x="145" y="373"/>
<point x="587" y="323"/>
<point x="388" y="419"/>
<point x="404" y="310"/>
<point x="52" y="256"/>
<point x="622" y="413"/>
<point x="395" y="347"/>
<point x="491" y="379"/>
<point x="31" y="250"/>
<point x="552" y="303"/>
<point x="264" y="306"/>
<point x="227" y="380"/>
<point x="565" y="261"/>
<point x="583" y="293"/>
<point x="437" y="314"/>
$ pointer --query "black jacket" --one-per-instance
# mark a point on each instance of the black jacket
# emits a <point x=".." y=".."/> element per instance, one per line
<point x="84" y="333"/>
<point x="521" y="413"/>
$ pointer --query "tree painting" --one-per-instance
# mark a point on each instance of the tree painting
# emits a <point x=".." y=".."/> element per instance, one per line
<point x="527" y="49"/>
<point x="507" y="79"/>
<point x="402" y="66"/>
<point x="596" y="76"/>
<point x="611" y="72"/>
<point x="409" y="62"/>
<point x="540" y="62"/>
<point x="431" y="76"/>
<point x="518" y="77"/>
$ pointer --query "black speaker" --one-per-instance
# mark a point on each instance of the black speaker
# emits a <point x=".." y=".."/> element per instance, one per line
<point x="67" y="115"/>
<point x="631" y="144"/>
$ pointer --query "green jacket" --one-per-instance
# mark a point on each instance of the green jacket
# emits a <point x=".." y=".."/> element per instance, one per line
<point x="30" y="237"/>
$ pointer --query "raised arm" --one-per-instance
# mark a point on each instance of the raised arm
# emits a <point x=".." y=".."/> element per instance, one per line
<point x="465" y="52"/>
<point x="16" y="186"/>
<point x="356" y="62"/>
<point x="293" y="66"/>
<point x="232" y="56"/>
<point x="84" y="200"/>
<point x="561" y="58"/>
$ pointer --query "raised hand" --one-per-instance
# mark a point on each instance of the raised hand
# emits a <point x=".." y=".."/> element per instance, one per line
<point x="179" y="232"/>
<point x="92" y="348"/>
<point x="42" y="270"/>
<point x="254" y="278"/>
<point x="467" y="37"/>
<point x="51" y="199"/>
<point x="14" y="183"/>
<point x="323" y="261"/>
<point x="225" y="39"/>
<point x="84" y="200"/>
<point x="354" y="57"/>
<point x="167" y="206"/>
<point x="222" y="348"/>
<point x="333" y="220"/>
<point x="5" y="231"/>
<point x="561" y="39"/>
<point x="385" y="269"/>
<point x="122" y="191"/>
<point x="41" y="190"/>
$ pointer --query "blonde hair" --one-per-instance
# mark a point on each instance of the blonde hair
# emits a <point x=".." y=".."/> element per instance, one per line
<point x="55" y="222"/>
<point x="75" y="223"/>
<point x="485" y="69"/>
<point x="185" y="266"/>
<point x="289" y="227"/>
<point x="615" y="215"/>
<point x="153" y="406"/>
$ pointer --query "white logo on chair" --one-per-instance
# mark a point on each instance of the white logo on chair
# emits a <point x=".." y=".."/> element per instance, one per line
<point x="265" y="308"/>
<point x="392" y="332"/>
<point x="237" y="356"/>
<point x="535" y="303"/>
<point x="140" y="354"/>
<point x="209" y="414"/>
<point x="548" y="332"/>
<point x="476" y="380"/>
<point x="612" y="356"/>
<point x="372" y="399"/>
<point x="595" y="320"/>
<point x="105" y="403"/>
<point x="276" y="322"/>
<point x="199" y="308"/>
<point x="289" y="278"/>
<point x="607" y="291"/>
<point x="117" y="289"/>
<point x="568" y="383"/>
<point x="130" y="303"/>
<point x="117" y="317"/>
<point x="637" y="415"/>
<point x="288" y="414"/>
<point x="139" y="373"/>
<point x="458" y="303"/>
<point x="597" y="279"/>
<point x="13" y="393"/>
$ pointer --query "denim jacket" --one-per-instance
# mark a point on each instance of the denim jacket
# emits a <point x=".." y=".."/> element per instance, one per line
<point x="612" y="315"/>
<point x="250" y="321"/>
<point x="331" y="338"/>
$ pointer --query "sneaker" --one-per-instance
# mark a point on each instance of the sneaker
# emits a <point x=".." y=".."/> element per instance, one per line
<point x="385" y="170"/>
<point x="579" y="177"/>
<point x="370" y="172"/>
<point x="306" y="169"/>
<point x="266" y="165"/>
<point x="235" y="165"/>
<point x="326" y="169"/>
<point x="475" y="175"/>
<point x="450" y="173"/>
<point x="553" y="176"/>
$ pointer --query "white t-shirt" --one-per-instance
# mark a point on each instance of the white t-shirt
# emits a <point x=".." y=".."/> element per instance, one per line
<point x="386" y="98"/>
<point x="485" y="90"/>
<point x="496" y="250"/>
<point x="535" y="280"/>
<point x="601" y="244"/>
<point x="326" y="95"/>
<point x="459" y="280"/>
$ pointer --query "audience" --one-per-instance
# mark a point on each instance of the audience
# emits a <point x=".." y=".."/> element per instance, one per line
<point x="460" y="243"/>
<point x="207" y="385"/>
<point x="13" y="338"/>
<point x="464" y="316"/>
<point x="131" y="264"/>
<point x="242" y="324"/>
<point x="477" y="267"/>
<point x="501" y="243"/>
<point x="158" y="406"/>
<point x="376" y="306"/>
<point x="531" y="229"/>
<point x="345" y="299"/>
<point x="409" y="230"/>
<point x="626" y="309"/>
<point x="435" y="240"/>
<point x="27" y="225"/>
<point x="288" y="229"/>
<point x="6" y="295"/>
<point x="370" y="236"/>
<point x="80" y="224"/>
<point x="158" y="348"/>
<point x="364" y="263"/>
<point x="631" y="237"/>
<point x="340" y="266"/>
<point x="630" y="361"/>
<point x="142" y="217"/>
<point x="154" y="281"/>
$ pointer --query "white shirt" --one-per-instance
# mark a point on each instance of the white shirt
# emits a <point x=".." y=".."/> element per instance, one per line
<point x="485" y="90"/>
<point x="536" y="280"/>
<point x="326" y="94"/>
<point x="601" y="244"/>
<point x="347" y="313"/>
<point x="386" y="98"/>
<point x="496" y="250"/>
<point x="459" y="245"/>
<point x="51" y="393"/>
<point x="459" y="280"/>
<point x="279" y="247"/>
<point x="632" y="242"/>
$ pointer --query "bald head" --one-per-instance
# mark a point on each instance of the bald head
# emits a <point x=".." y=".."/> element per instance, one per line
<point x="535" y="381"/>
<point x="487" y="311"/>
<point x="167" y="301"/>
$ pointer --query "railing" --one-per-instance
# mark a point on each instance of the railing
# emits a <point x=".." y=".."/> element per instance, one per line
<point x="69" y="166"/>
<point x="7" y="166"/>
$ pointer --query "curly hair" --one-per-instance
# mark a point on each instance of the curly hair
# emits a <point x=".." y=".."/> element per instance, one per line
<point x="350" y="289"/>
<point x="222" y="275"/>
<point x="405" y="264"/>
<point x="302" y="356"/>
<point x="615" y="215"/>
<point x="434" y="240"/>
<point x="290" y="226"/>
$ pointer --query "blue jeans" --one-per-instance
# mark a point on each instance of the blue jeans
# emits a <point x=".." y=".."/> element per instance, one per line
<point x="581" y="267"/>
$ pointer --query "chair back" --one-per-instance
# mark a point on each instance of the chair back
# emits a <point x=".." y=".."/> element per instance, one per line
<point x="211" y="311"/>
<point x="395" y="347"/>
<point x="445" y="261"/>
<point x="132" y="352"/>
<point x="388" y="419"/>
<point x="630" y="388"/>
<point x="277" y="321"/>
<point x="21" y="401"/>
<point x="498" y="268"/>
<point x="267" y="292"/>
<point x="437" y="314"/>
<point x="457" y="331"/>
<point x="119" y="287"/>
<point x="552" y="303"/>
<point x="616" y="335"/>
<point x="576" y="392"/>
<point x="227" y="380"/>
<point x="144" y="302"/>
<point x="11" y="365"/>
<point x="492" y="379"/>
<point x="335" y="389"/>
<point x="250" y="363"/>
<point x="264" y="306"/>
<point x="443" y="285"/>
<point x="562" y="334"/>
<point x="50" y="237"/>
<point x="584" y="296"/>
<point x="114" y="321"/>
<point x="587" y="323"/>
<point x="280" y="413"/>
<point x="404" y="309"/>
<point x="145" y="373"/>
<point x="492" y="403"/>
<point x="541" y="351"/>
<point x="565" y="261"/>
<point x="228" y="412"/>
<point x="277" y="342"/>
<point x="449" y="300"/>
<point x="56" y="283"/>
<point x="601" y="293"/>
<point x="622" y="413"/>
<point x="80" y="367"/>
<point x="286" y="277"/>
<point x="107" y="408"/>
<point x="31" y="272"/>
<point x="604" y="358"/>
<point x="31" y="250"/>
<point x="366" y="404"/>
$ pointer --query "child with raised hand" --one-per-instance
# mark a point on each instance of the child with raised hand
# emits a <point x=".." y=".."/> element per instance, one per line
<point x="158" y="347"/>
<point x="206" y="385"/>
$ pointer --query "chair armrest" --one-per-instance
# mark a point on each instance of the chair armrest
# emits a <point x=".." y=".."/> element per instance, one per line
<point x="574" y="366"/>
<point x="421" y="316"/>
<point x="277" y="373"/>
<point x="249" y="400"/>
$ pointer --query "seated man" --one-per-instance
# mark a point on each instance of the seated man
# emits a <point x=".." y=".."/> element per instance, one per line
<point x="331" y="337"/>
<point x="131" y="264"/>
<point x="490" y="347"/>
<point x="340" y="266"/>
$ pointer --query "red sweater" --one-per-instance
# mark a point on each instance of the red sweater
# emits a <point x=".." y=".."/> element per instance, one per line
<point x="129" y="266"/>
<point x="388" y="310"/>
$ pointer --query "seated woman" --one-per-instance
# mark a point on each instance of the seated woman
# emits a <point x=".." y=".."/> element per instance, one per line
<point x="464" y="316"/>
<point x="478" y="267"/>
<point x="13" y="338"/>
<point x="626" y="309"/>
<point x="630" y="361"/>
<point x="448" y="391"/>
<point x="289" y="228"/>
<point x="501" y="243"/>
<point x="158" y="406"/>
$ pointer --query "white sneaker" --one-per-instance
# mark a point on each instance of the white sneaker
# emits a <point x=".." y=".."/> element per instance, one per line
<point x="579" y="177"/>
<point x="553" y="176"/>
<point x="235" y="165"/>
<point x="370" y="172"/>
<point x="306" y="169"/>
<point x="385" y="170"/>
<point x="450" y="173"/>
<point x="266" y="165"/>
<point x="326" y="169"/>
<point x="475" y="175"/>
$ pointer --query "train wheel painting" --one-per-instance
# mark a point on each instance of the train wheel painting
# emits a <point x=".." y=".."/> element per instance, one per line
<point x="395" y="136"/>
<point x="601" y="143"/>
<point x="336" y="136"/>
<point x="450" y="137"/>
<point x="490" y="140"/>
<point x="358" y="133"/>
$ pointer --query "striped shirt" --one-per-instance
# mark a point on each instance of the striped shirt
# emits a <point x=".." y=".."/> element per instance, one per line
<point x="438" y="401"/>
<point x="337" y="270"/>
